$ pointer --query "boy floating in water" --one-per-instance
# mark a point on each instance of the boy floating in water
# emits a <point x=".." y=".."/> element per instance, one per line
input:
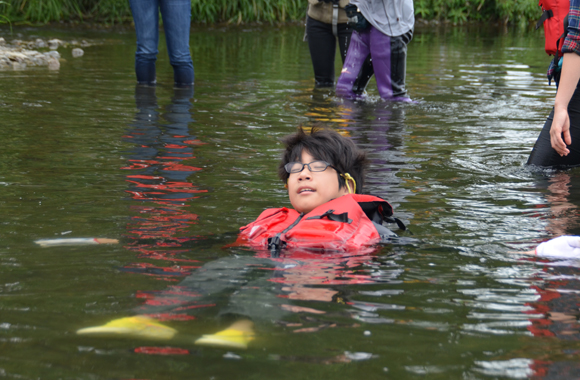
<point x="324" y="174"/>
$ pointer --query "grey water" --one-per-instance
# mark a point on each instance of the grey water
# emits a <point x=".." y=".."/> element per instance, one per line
<point x="172" y="175"/>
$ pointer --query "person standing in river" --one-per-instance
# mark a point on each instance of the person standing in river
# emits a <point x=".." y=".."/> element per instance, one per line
<point x="558" y="145"/>
<point x="176" y="16"/>
<point x="326" y="22"/>
<point x="383" y="29"/>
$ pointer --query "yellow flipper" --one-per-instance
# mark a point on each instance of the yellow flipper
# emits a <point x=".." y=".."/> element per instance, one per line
<point x="237" y="335"/>
<point x="138" y="326"/>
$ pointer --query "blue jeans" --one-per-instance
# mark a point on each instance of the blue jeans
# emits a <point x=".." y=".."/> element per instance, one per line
<point x="176" y="23"/>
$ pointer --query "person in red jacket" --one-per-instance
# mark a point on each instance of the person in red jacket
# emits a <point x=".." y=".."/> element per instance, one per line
<point x="324" y="175"/>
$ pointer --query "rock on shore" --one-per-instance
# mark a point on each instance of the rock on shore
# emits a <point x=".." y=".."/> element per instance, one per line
<point x="18" y="54"/>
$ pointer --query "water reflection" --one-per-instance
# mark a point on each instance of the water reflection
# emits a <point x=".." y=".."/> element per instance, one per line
<point x="547" y="300"/>
<point x="550" y="306"/>
<point x="159" y="165"/>
<point x="563" y="213"/>
<point x="557" y="289"/>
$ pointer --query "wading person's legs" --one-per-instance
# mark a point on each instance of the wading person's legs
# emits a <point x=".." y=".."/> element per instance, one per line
<point x="146" y="18"/>
<point x="380" y="47"/>
<point x="322" y="46"/>
<point x="399" y="64"/>
<point x="389" y="56"/>
<point x="176" y="16"/>
<point x="358" y="52"/>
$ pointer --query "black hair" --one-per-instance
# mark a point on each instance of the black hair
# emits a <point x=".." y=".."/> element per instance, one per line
<point x="326" y="145"/>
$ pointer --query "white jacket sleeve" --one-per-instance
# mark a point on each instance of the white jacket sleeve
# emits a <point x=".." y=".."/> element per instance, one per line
<point x="563" y="246"/>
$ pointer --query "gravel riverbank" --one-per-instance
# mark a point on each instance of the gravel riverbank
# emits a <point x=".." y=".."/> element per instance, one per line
<point x="19" y="54"/>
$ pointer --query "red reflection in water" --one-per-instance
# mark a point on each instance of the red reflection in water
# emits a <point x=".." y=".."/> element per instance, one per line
<point x="555" y="317"/>
<point x="556" y="311"/>
<point x="159" y="167"/>
<point x="305" y="269"/>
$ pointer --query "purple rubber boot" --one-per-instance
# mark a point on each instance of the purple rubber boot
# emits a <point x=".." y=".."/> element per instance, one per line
<point x="381" y="55"/>
<point x="389" y="60"/>
<point x="358" y="50"/>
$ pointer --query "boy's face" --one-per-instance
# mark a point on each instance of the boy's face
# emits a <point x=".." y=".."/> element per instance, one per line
<point x="308" y="190"/>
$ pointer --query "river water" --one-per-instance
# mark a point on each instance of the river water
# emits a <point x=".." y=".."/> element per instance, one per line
<point x="173" y="174"/>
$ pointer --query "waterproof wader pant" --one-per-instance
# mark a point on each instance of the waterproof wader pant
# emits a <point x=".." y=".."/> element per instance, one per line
<point x="388" y="56"/>
<point x="322" y="45"/>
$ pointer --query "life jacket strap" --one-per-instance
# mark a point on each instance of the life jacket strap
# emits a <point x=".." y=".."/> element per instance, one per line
<point x="343" y="218"/>
<point x="545" y="15"/>
<point x="561" y="40"/>
<point x="335" y="19"/>
<point x="400" y="224"/>
<point x="275" y="244"/>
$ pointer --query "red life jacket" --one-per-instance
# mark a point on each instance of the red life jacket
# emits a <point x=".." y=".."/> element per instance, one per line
<point x="341" y="224"/>
<point x="553" y="18"/>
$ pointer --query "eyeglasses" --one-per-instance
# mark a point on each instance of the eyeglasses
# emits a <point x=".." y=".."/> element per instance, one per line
<point x="314" y="166"/>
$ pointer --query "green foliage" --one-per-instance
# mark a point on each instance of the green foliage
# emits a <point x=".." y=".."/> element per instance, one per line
<point x="40" y="11"/>
<point x="459" y="11"/>
<point x="44" y="11"/>
<point x="247" y="11"/>
<point x="244" y="11"/>
<point x="514" y="10"/>
<point x="109" y="11"/>
<point x="3" y="18"/>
